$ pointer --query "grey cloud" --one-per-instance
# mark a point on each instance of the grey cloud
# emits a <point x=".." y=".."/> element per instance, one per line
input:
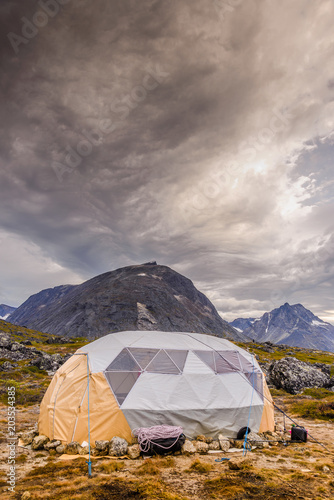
<point x="201" y="169"/>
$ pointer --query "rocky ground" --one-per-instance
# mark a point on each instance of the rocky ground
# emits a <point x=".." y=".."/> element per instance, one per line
<point x="284" y="470"/>
<point x="295" y="470"/>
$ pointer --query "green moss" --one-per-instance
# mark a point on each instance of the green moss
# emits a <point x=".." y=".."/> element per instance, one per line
<point x="318" y="393"/>
<point x="323" y="410"/>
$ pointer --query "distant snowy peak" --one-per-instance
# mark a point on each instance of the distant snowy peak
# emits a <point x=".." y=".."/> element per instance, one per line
<point x="292" y="325"/>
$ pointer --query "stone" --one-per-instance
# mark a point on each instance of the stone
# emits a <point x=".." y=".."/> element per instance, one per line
<point x="72" y="448"/>
<point x="102" y="447"/>
<point x="51" y="445"/>
<point x="134" y="451"/>
<point x="214" y="445"/>
<point x="60" y="449"/>
<point x="38" y="442"/>
<point x="256" y="440"/>
<point x="224" y="442"/>
<point x="27" y="437"/>
<point x="7" y="366"/>
<point x="201" y="438"/>
<point x="237" y="443"/>
<point x="5" y="341"/>
<point x="188" y="447"/>
<point x="85" y="450"/>
<point x="201" y="447"/>
<point x="326" y="469"/>
<point x="294" y="376"/>
<point x="118" y="447"/>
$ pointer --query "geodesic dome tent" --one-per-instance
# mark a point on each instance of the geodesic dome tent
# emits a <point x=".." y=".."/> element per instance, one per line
<point x="127" y="380"/>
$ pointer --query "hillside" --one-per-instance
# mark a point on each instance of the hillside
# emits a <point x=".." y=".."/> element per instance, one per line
<point x="142" y="297"/>
<point x="292" y="325"/>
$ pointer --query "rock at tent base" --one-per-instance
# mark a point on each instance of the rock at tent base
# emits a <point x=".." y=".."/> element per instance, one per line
<point x="118" y="447"/>
<point x="214" y="445"/>
<point x="102" y="446"/>
<point x="188" y="447"/>
<point x="72" y="448"/>
<point x="224" y="442"/>
<point x="134" y="451"/>
<point x="27" y="437"/>
<point x="201" y="447"/>
<point x="39" y="442"/>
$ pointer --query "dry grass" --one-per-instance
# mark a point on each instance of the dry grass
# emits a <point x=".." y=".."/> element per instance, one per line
<point x="200" y="467"/>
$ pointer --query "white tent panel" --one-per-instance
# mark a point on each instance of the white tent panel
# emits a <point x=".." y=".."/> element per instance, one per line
<point x="101" y="353"/>
<point x="195" y="365"/>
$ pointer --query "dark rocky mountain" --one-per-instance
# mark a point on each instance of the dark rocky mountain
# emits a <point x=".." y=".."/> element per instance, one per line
<point x="143" y="297"/>
<point x="292" y="325"/>
<point x="5" y="311"/>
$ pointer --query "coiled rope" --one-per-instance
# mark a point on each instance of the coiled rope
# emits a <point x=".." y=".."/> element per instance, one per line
<point x="148" y="435"/>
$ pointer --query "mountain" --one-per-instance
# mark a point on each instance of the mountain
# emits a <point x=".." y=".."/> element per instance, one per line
<point x="292" y="325"/>
<point x="142" y="297"/>
<point x="5" y="311"/>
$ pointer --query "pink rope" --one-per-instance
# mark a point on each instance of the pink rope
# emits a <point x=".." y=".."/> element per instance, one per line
<point x="147" y="435"/>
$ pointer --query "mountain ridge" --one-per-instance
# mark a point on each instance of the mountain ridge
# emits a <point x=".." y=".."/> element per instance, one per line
<point x="292" y="325"/>
<point x="142" y="297"/>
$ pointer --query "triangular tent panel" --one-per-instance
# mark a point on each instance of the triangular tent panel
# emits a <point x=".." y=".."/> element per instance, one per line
<point x="203" y="383"/>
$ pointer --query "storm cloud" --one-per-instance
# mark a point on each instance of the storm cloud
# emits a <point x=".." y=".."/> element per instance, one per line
<point x="196" y="133"/>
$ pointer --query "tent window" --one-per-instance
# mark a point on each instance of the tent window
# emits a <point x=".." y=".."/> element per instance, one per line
<point x="162" y="364"/>
<point x="226" y="362"/>
<point x="123" y="362"/>
<point x="207" y="358"/>
<point x="232" y="358"/>
<point x="247" y="366"/>
<point x="143" y="356"/>
<point x="121" y="383"/>
<point x="179" y="357"/>
<point x="256" y="380"/>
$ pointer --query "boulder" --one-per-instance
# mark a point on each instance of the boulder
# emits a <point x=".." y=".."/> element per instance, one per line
<point x="84" y="450"/>
<point x="27" y="437"/>
<point x="52" y="445"/>
<point x="188" y="447"/>
<point x="5" y="340"/>
<point x="214" y="445"/>
<point x="293" y="375"/>
<point x="134" y="451"/>
<point x="224" y="442"/>
<point x="72" y="448"/>
<point x="60" y="449"/>
<point x="118" y="447"/>
<point x="201" y="447"/>
<point x="102" y="447"/>
<point x="256" y="440"/>
<point x="39" y="441"/>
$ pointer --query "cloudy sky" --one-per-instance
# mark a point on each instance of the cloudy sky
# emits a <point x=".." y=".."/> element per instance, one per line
<point x="198" y="133"/>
